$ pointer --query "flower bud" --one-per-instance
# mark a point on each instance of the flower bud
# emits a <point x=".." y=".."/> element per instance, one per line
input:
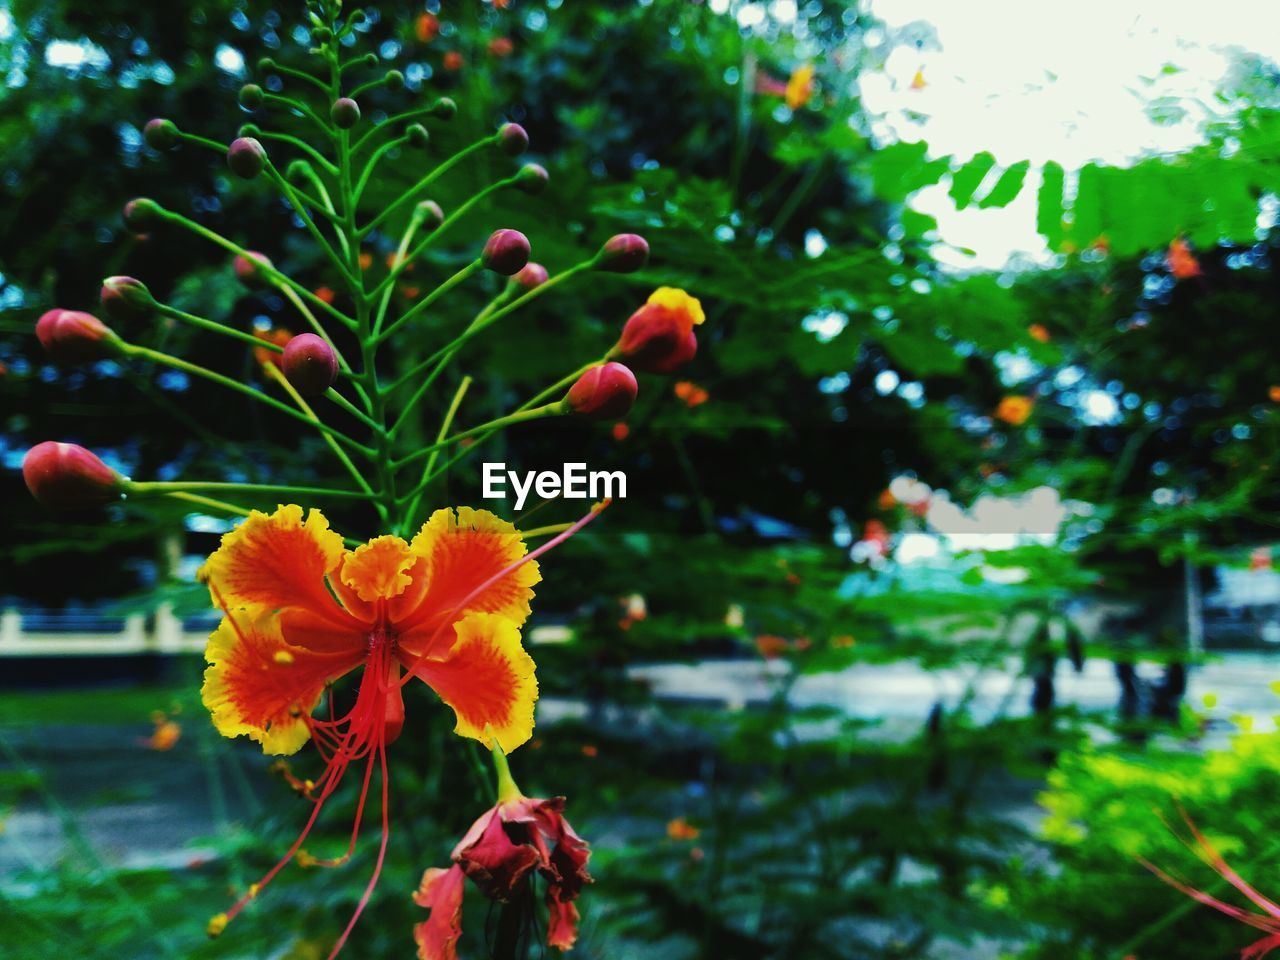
<point x="512" y="139"/>
<point x="140" y="214"/>
<point x="417" y="135"/>
<point x="70" y="336"/>
<point x="246" y="157"/>
<point x="532" y="276"/>
<point x="125" y="297"/>
<point x="309" y="364"/>
<point x="444" y="109"/>
<point x="249" y="130"/>
<point x="248" y="268"/>
<point x="506" y="252"/>
<point x="394" y="80"/>
<point x="266" y="65"/>
<point x="430" y="213"/>
<point x="605" y="392"/>
<point x="251" y="96"/>
<point x="66" y="476"/>
<point x="532" y="178"/>
<point x="345" y="113"/>
<point x="160" y="134"/>
<point x="624" y="253"/>
<point x="659" y="336"/>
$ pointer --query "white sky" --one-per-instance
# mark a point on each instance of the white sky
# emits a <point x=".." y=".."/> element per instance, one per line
<point x="1041" y="80"/>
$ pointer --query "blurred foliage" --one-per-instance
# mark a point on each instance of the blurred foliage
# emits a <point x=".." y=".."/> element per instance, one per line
<point x="810" y="830"/>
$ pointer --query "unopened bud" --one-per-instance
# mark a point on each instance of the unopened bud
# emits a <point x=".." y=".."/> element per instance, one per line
<point x="251" y="96"/>
<point x="532" y="178"/>
<point x="430" y="213"/>
<point x="125" y="297"/>
<point x="71" y="336"/>
<point x="246" y="157"/>
<point x="66" y="476"/>
<point x="248" y="268"/>
<point x="394" y="80"/>
<point x="417" y="135"/>
<point x="532" y="276"/>
<point x="605" y="392"/>
<point x="624" y="253"/>
<point x="249" y="130"/>
<point x="513" y="139"/>
<point x="444" y="109"/>
<point x="506" y="252"/>
<point x="266" y="65"/>
<point x="345" y="113"/>
<point x="141" y="214"/>
<point x="160" y="134"/>
<point x="309" y="364"/>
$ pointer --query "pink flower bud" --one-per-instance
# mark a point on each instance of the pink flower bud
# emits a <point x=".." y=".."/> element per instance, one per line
<point x="246" y="157"/>
<point x="513" y="139"/>
<point x="141" y="214"/>
<point x="659" y="336"/>
<point x="506" y="252"/>
<point x="124" y="298"/>
<point x="345" y="113"/>
<point x="310" y="364"/>
<point x="605" y="392"/>
<point x="532" y="178"/>
<point x="160" y="134"/>
<point x="248" y="268"/>
<point x="624" y="253"/>
<point x="70" y="336"/>
<point x="66" y="476"/>
<point x="532" y="276"/>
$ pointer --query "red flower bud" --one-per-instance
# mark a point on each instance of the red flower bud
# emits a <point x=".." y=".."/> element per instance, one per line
<point x="160" y="134"/>
<point x="605" y="392"/>
<point x="513" y="139"/>
<point x="124" y="298"/>
<point x="624" y="253"/>
<point x="246" y="157"/>
<point x="532" y="178"/>
<point x="310" y="364"/>
<point x="659" y="336"/>
<point x="251" y="96"/>
<point x="506" y="252"/>
<point x="66" y="476"/>
<point x="532" y="276"/>
<point x="70" y="336"/>
<point x="140" y="214"/>
<point x="345" y="113"/>
<point x="248" y="268"/>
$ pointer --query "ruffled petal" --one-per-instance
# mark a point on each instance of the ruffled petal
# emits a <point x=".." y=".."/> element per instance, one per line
<point x="562" y="922"/>
<point x="260" y="686"/>
<point x="441" y="893"/>
<point x="276" y="562"/>
<point x="463" y="552"/>
<point x="493" y="862"/>
<point x="487" y="678"/>
<point x="378" y="570"/>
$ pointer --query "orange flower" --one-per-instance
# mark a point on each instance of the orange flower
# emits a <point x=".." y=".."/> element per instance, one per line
<point x="800" y="86"/>
<point x="918" y="81"/>
<point x="771" y="647"/>
<point x="1274" y="393"/>
<point x="277" y="335"/>
<point x="1015" y="410"/>
<point x="692" y="394"/>
<point x="409" y="291"/>
<point x="366" y="260"/>
<point x="1181" y="261"/>
<point x="621" y="431"/>
<point x="300" y="611"/>
<point x="325" y="293"/>
<point x="1039" y="331"/>
<point x="501" y="46"/>
<point x="166" y="734"/>
<point x="681" y="829"/>
<point x="886" y="500"/>
<point x="453" y="61"/>
<point x="590" y="750"/>
<point x="426" y="27"/>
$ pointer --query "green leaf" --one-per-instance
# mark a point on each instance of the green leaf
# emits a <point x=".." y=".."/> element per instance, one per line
<point x="969" y="177"/>
<point x="1007" y="188"/>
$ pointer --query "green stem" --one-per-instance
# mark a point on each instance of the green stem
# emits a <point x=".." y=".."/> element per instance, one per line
<point x="470" y="270"/>
<point x="155" y="356"/>
<point x="291" y="104"/>
<point x="372" y="164"/>
<point x="302" y="145"/>
<point x="205" y="142"/>
<point x="163" y="487"/>
<point x="280" y="68"/>
<point x="507" y="790"/>
<point x="401" y="251"/>
<point x="520" y="416"/>
<point x="210" y="502"/>
<point x="338" y="452"/>
<point x="445" y="426"/>
<point x="390" y="122"/>
<point x="292" y="195"/>
<point x="426" y="181"/>
<point x="351" y="408"/>
<point x="204" y="324"/>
